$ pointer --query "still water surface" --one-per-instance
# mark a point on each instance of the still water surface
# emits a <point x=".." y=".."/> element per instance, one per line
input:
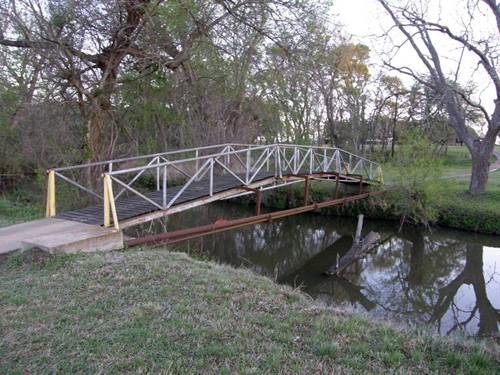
<point x="447" y="279"/>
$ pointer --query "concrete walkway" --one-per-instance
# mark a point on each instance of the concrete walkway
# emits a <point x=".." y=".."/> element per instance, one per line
<point x="496" y="165"/>
<point x="58" y="235"/>
<point x="493" y="167"/>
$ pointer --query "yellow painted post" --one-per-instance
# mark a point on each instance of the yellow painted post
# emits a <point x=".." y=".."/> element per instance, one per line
<point x="380" y="175"/>
<point x="107" y="221"/>
<point x="50" y="209"/>
<point x="111" y="199"/>
<point x="346" y="167"/>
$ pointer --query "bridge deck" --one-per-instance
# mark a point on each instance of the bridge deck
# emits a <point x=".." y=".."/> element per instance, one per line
<point x="134" y="206"/>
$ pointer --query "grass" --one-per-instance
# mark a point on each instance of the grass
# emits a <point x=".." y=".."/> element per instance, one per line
<point x="14" y="210"/>
<point x="162" y="312"/>
<point x="456" y="162"/>
<point x="460" y="210"/>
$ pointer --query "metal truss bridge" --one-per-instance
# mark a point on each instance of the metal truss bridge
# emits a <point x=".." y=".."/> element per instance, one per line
<point x="139" y="189"/>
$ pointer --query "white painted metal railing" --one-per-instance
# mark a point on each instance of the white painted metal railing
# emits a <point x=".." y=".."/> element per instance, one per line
<point x="244" y="162"/>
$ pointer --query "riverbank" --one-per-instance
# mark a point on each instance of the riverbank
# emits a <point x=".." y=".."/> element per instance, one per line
<point x="455" y="208"/>
<point x="147" y="311"/>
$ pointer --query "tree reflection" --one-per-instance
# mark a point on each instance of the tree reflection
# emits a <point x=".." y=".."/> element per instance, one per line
<point x="425" y="284"/>
<point x="472" y="274"/>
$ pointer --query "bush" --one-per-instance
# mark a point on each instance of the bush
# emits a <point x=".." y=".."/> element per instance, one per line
<point x="416" y="173"/>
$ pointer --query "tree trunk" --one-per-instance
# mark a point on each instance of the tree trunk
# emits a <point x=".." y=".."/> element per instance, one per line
<point x="395" y="121"/>
<point x="480" y="171"/>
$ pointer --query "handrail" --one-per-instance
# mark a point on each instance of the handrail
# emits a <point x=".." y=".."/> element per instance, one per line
<point x="132" y="158"/>
<point x="180" y="161"/>
<point x="204" y="157"/>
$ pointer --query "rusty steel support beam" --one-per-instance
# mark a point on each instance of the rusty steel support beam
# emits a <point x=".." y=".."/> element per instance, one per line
<point x="170" y="238"/>
<point x="306" y="190"/>
<point x="258" y="201"/>
<point x="306" y="185"/>
<point x="337" y="177"/>
<point x="258" y="198"/>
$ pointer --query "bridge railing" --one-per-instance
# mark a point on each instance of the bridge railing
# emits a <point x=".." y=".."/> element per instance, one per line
<point x="244" y="162"/>
<point x="84" y="177"/>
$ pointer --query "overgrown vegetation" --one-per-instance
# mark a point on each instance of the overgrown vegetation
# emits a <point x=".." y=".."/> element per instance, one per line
<point x="94" y="80"/>
<point x="158" y="311"/>
<point x="416" y="172"/>
<point x="16" y="209"/>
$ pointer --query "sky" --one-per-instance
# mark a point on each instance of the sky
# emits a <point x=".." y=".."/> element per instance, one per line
<point x="366" y="21"/>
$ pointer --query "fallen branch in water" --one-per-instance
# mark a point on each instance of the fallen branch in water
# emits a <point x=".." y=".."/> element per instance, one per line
<point x="357" y="251"/>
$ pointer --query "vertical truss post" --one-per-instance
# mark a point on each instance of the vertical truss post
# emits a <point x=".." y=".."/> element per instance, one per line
<point x="380" y="175"/>
<point x="248" y="166"/>
<point x="197" y="163"/>
<point x="164" y="193"/>
<point x="227" y="160"/>
<point x="158" y="174"/>
<point x="50" y="209"/>
<point x="311" y="161"/>
<point x="295" y="156"/>
<point x="109" y="203"/>
<point x="325" y="160"/>
<point x="336" y="185"/>
<point x="268" y="156"/>
<point x="211" y="187"/>
<point x="277" y="161"/>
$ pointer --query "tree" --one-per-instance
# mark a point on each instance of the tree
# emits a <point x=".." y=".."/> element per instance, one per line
<point x="412" y="21"/>
<point x="354" y="80"/>
<point x="83" y="45"/>
<point x="394" y="89"/>
<point x="91" y="49"/>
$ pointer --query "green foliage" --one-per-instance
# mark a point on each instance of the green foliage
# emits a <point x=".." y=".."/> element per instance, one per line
<point x="416" y="172"/>
<point x="16" y="209"/>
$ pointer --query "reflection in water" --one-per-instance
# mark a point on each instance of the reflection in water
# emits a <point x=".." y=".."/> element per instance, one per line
<point x="447" y="279"/>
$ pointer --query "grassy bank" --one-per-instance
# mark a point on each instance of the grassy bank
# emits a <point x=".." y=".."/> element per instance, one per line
<point x="14" y="210"/>
<point x="462" y="211"/>
<point x="163" y="312"/>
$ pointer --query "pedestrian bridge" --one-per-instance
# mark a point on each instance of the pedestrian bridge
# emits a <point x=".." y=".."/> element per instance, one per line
<point x="139" y="189"/>
<point x="111" y="195"/>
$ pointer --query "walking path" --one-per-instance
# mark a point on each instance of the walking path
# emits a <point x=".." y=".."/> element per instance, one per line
<point x="495" y="166"/>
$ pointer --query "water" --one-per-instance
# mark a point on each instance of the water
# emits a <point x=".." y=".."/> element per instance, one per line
<point x="447" y="279"/>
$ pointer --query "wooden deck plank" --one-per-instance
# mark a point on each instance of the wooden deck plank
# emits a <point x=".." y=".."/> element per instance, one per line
<point x="133" y="206"/>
